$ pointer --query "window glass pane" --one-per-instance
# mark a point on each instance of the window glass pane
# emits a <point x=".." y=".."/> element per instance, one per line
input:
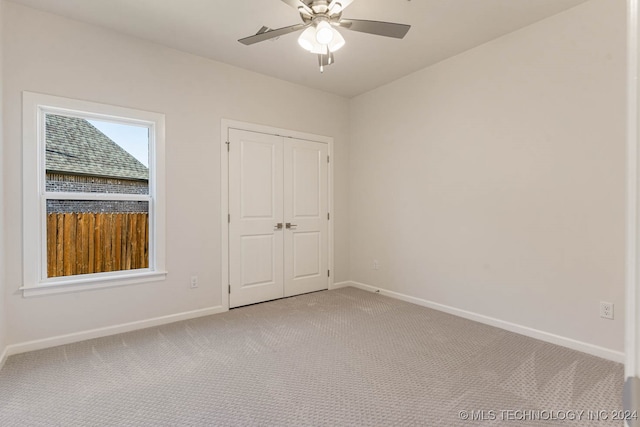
<point x="95" y="156"/>
<point x="85" y="236"/>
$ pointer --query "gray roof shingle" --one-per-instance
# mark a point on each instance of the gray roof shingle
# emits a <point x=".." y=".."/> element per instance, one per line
<point x="76" y="147"/>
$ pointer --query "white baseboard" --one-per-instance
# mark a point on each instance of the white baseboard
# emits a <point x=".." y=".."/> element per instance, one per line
<point x="339" y="285"/>
<point x="106" y="331"/>
<point x="605" y="353"/>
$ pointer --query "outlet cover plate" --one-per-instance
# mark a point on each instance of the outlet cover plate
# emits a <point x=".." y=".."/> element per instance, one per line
<point x="606" y="310"/>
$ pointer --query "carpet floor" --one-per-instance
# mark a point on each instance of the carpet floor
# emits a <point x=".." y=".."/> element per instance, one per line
<point x="341" y="358"/>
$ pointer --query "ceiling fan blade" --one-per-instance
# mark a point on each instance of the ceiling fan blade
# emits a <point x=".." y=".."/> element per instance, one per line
<point x="387" y="29"/>
<point x="337" y="6"/>
<point x="271" y="34"/>
<point x="297" y="4"/>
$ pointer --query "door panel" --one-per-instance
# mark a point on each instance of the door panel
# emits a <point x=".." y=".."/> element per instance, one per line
<point x="306" y="171"/>
<point x="256" y="206"/>
<point x="305" y="208"/>
<point x="307" y="254"/>
<point x="257" y="179"/>
<point x="258" y="260"/>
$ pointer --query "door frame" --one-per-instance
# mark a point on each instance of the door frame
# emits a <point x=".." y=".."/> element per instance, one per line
<point x="227" y="124"/>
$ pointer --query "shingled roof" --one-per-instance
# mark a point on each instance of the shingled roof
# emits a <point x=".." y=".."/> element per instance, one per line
<point x="75" y="146"/>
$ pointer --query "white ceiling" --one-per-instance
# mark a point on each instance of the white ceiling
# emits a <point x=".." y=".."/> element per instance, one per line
<point x="211" y="28"/>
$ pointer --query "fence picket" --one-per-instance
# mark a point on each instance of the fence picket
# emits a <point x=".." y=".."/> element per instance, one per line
<point x="97" y="233"/>
<point x="134" y="241"/>
<point x="85" y="243"/>
<point x="145" y="239"/>
<point x="91" y="256"/>
<point x="79" y="220"/>
<point x="59" y="271"/>
<point x="117" y="246"/>
<point x="52" y="229"/>
<point x="69" y="257"/>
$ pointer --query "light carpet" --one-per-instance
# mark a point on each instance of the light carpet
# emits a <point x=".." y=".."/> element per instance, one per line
<point x="342" y="358"/>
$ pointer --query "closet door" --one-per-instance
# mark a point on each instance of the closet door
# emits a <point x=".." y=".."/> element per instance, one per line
<point x="306" y="217"/>
<point x="256" y="235"/>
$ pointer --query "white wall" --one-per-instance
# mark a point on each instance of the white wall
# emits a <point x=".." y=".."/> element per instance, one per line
<point x="3" y="318"/>
<point x="48" y="54"/>
<point x="494" y="182"/>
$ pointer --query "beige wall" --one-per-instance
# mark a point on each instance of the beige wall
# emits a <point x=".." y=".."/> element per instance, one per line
<point x="3" y="317"/>
<point x="494" y="182"/>
<point x="48" y="54"/>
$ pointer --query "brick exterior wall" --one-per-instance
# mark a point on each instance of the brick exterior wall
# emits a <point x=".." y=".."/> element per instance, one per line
<point x="90" y="184"/>
<point x="103" y="206"/>
<point x="93" y="184"/>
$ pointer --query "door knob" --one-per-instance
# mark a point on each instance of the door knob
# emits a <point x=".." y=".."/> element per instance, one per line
<point x="289" y="225"/>
<point x="278" y="226"/>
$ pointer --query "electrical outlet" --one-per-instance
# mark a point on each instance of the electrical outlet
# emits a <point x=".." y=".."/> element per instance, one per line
<point x="606" y="310"/>
<point x="376" y="264"/>
<point x="194" y="282"/>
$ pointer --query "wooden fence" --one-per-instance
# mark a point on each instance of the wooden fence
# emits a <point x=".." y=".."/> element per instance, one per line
<point x="81" y="243"/>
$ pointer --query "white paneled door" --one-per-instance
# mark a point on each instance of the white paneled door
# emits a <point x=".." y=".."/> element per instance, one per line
<point x="256" y="234"/>
<point x="278" y="217"/>
<point x="306" y="217"/>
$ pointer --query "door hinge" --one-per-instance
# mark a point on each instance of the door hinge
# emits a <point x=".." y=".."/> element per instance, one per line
<point x="229" y="218"/>
<point x="229" y="288"/>
<point x="228" y="145"/>
<point x="328" y="273"/>
<point x="328" y="216"/>
<point x="327" y="159"/>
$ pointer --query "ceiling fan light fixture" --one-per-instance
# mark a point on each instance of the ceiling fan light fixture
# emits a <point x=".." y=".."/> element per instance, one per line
<point x="324" y="32"/>
<point x="307" y="39"/>
<point x="321" y="49"/>
<point x="309" y="42"/>
<point x="337" y="42"/>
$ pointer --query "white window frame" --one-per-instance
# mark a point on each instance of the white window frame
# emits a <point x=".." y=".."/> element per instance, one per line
<point x="35" y="281"/>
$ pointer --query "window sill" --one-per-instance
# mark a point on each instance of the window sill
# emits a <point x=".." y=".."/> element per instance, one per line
<point x="98" y="281"/>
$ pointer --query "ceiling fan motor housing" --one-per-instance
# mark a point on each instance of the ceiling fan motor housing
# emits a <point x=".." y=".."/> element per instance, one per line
<point x="320" y="6"/>
<point x="321" y="10"/>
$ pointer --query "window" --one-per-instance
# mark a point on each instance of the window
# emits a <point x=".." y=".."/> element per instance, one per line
<point x="93" y="195"/>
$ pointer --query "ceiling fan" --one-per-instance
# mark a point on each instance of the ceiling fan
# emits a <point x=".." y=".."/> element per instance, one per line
<point x="320" y="18"/>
